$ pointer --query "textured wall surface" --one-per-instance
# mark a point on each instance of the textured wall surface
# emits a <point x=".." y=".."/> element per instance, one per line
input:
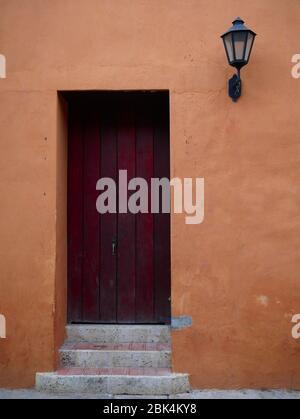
<point x="237" y="274"/>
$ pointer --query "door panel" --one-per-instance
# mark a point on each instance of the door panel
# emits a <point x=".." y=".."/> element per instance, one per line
<point x="91" y="223"/>
<point x="162" y="228"/>
<point x="144" y="222"/>
<point x="126" y="221"/>
<point x="128" y="282"/>
<point x="108" y="230"/>
<point x="75" y="215"/>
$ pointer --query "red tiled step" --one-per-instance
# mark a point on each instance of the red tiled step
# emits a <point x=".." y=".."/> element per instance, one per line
<point x="119" y="346"/>
<point x="116" y="371"/>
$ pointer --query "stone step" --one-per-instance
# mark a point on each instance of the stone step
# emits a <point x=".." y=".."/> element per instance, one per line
<point x="117" y="346"/>
<point x="149" y="355"/>
<point x="118" y="334"/>
<point x="118" y="381"/>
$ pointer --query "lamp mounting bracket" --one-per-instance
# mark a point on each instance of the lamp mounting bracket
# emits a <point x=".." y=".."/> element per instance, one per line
<point x="235" y="87"/>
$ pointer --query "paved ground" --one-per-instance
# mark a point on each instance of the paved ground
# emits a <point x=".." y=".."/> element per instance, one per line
<point x="196" y="394"/>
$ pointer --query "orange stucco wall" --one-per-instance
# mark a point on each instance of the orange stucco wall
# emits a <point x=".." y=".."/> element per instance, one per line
<point x="237" y="274"/>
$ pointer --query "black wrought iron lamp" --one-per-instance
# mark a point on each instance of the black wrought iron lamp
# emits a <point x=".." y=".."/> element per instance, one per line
<point x="238" y="43"/>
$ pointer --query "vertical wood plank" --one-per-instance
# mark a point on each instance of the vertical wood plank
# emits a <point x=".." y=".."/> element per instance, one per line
<point x="75" y="215"/>
<point x="162" y="230"/>
<point x="108" y="264"/>
<point x="91" y="217"/>
<point x="126" y="222"/>
<point x="144" y="222"/>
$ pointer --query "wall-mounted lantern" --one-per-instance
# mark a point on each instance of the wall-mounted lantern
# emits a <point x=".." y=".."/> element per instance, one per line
<point x="238" y="42"/>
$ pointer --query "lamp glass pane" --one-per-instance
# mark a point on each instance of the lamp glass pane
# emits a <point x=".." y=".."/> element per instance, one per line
<point x="250" y="41"/>
<point x="239" y="44"/>
<point x="229" y="46"/>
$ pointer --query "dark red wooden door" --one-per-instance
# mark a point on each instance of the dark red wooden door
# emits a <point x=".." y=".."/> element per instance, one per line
<point x="118" y="264"/>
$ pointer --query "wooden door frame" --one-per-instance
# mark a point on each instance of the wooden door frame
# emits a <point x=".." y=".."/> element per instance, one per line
<point x="61" y="288"/>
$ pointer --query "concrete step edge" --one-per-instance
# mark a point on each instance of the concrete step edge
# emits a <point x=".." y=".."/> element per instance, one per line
<point x="108" y="359"/>
<point x="114" y="384"/>
<point x="118" y="334"/>
<point x="115" y="351"/>
<point x="117" y="347"/>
